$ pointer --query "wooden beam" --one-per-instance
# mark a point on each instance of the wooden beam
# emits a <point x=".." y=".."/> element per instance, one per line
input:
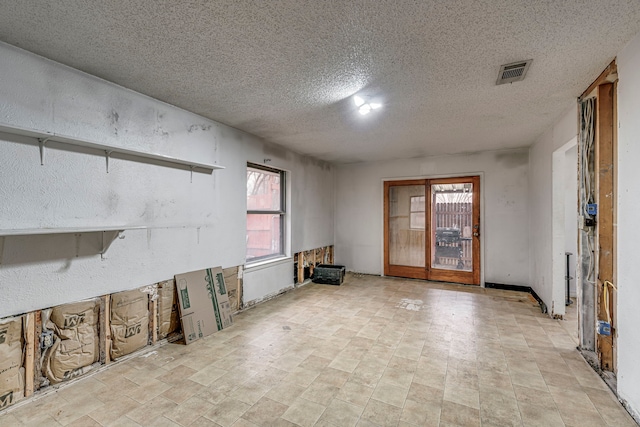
<point x="605" y="199"/>
<point x="37" y="372"/>
<point x="300" y="267"/>
<point x="30" y="353"/>
<point x="153" y="322"/>
<point x="603" y="78"/>
<point x="105" y="329"/>
<point x="240" y="282"/>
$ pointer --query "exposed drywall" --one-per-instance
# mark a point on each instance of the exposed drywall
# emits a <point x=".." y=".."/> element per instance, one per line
<point x="628" y="233"/>
<point x="191" y="225"/>
<point x="504" y="222"/>
<point x="541" y="156"/>
<point x="261" y="283"/>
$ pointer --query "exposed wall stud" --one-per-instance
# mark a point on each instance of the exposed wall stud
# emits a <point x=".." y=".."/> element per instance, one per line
<point x="29" y="357"/>
<point x="606" y="200"/>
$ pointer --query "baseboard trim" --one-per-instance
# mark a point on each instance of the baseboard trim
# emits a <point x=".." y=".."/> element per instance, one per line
<point x="517" y="288"/>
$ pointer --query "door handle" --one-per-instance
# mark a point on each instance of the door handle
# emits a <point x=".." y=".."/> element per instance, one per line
<point x="476" y="233"/>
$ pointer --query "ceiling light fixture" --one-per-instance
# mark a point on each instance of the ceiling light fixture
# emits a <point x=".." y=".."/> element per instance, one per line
<point x="365" y="107"/>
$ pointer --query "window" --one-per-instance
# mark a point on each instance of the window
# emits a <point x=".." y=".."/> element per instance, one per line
<point x="416" y="217"/>
<point x="265" y="212"/>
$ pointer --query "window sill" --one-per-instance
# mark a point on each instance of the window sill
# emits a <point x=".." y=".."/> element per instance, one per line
<point x="259" y="265"/>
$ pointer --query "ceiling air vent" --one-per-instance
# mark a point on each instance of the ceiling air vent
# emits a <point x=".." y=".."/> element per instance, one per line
<point x="513" y="72"/>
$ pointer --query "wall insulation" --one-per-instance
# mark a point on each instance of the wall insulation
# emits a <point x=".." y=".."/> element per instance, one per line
<point x="129" y="322"/>
<point x="168" y="316"/>
<point x="76" y="342"/>
<point x="11" y="370"/>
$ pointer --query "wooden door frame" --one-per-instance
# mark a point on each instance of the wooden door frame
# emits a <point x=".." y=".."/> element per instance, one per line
<point x="390" y="270"/>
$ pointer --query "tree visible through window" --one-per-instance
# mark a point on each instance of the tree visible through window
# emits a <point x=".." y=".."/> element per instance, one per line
<point x="265" y="212"/>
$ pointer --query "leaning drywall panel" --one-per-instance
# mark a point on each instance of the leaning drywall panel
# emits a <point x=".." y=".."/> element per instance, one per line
<point x="203" y="303"/>
<point x="11" y="370"/>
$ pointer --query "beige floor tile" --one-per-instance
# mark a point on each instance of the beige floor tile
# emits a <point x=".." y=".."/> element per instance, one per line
<point x="302" y="377"/>
<point x="44" y="421"/>
<point x="207" y="375"/>
<point x="320" y="354"/>
<point x="176" y="375"/>
<point x="340" y="413"/>
<point x="397" y="377"/>
<point x="146" y="414"/>
<point x="250" y="392"/>
<point x="320" y="392"/>
<point x="118" y="407"/>
<point x="462" y="395"/>
<point x="425" y="394"/>
<point x="355" y="393"/>
<point x="421" y="413"/>
<point x="10" y="420"/>
<point x="188" y="411"/>
<point x="227" y="412"/>
<point x="344" y="364"/>
<point x="265" y="412"/>
<point x="85" y="421"/>
<point x="70" y="412"/>
<point x="303" y="412"/>
<point x="390" y="394"/>
<point x="183" y="390"/>
<point x="461" y="415"/>
<point x="334" y="377"/>
<point x="205" y="422"/>
<point x="285" y="393"/>
<point x="380" y="413"/>
<point x="147" y="392"/>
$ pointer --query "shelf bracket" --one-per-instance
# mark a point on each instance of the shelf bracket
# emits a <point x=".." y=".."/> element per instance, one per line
<point x="191" y="167"/>
<point x="41" y="143"/>
<point x="107" y="154"/>
<point x="106" y="243"/>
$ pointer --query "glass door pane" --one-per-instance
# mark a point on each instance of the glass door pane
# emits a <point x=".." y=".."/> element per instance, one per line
<point x="407" y="225"/>
<point x="452" y="226"/>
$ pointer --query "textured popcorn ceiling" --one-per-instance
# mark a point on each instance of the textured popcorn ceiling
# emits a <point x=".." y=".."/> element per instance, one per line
<point x="285" y="70"/>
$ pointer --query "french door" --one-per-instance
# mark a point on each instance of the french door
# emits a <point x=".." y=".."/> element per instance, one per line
<point x="432" y="229"/>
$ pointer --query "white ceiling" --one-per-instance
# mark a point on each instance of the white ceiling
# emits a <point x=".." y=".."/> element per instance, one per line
<point x="285" y="70"/>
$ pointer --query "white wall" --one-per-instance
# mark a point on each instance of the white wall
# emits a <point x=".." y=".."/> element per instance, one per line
<point x="191" y="225"/>
<point x="628" y="232"/>
<point x="541" y="155"/>
<point x="504" y="233"/>
<point x="571" y="211"/>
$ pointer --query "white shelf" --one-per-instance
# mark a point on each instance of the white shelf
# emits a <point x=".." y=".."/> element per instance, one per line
<point x="109" y="150"/>
<point x="67" y="230"/>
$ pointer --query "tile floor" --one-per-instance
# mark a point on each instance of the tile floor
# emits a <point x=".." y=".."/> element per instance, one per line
<point x="372" y="352"/>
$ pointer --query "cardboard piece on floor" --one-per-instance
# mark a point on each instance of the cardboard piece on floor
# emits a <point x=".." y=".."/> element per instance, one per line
<point x="203" y="302"/>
